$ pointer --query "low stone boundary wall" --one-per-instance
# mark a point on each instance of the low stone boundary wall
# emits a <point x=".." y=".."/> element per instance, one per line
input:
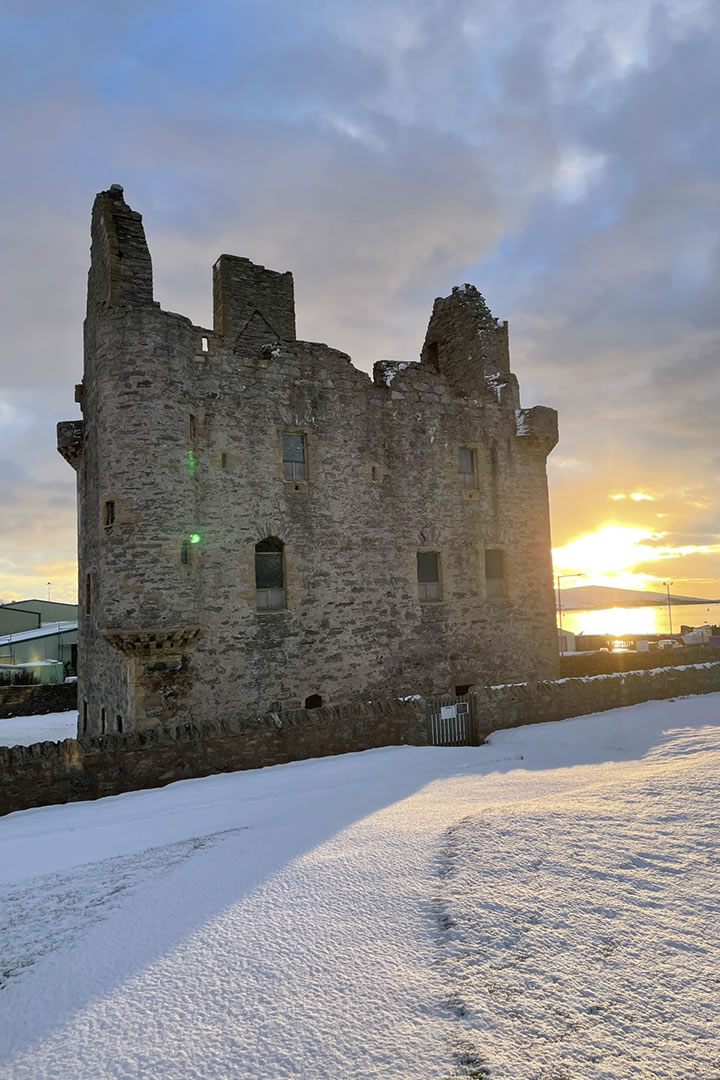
<point x="89" y="768"/>
<point x="496" y="707"/>
<point x="37" y="700"/>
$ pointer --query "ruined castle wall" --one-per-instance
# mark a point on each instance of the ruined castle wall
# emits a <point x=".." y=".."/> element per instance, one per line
<point x="183" y="438"/>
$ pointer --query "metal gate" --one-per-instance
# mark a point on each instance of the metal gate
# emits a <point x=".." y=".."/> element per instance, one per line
<point x="450" y="721"/>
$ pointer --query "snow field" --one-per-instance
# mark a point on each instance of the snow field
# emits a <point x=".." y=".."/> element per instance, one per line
<point x="539" y="908"/>
<point x="26" y="730"/>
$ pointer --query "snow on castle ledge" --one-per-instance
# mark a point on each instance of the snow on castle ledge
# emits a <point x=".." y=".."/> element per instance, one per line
<point x="386" y="370"/>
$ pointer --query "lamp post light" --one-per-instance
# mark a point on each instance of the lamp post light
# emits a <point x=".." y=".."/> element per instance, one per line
<point x="667" y="585"/>
<point x="559" y="578"/>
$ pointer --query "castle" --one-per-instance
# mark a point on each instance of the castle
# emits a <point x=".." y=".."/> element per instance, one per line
<point x="263" y="526"/>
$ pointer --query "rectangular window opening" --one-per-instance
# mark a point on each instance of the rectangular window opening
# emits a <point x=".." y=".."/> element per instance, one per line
<point x="495" y="572"/>
<point x="109" y="512"/>
<point x="269" y="580"/>
<point x="223" y="461"/>
<point x="192" y="427"/>
<point x="293" y="453"/>
<point x="88" y="594"/>
<point x="85" y="715"/>
<point x="428" y="573"/>
<point x="204" y="344"/>
<point x="466" y="467"/>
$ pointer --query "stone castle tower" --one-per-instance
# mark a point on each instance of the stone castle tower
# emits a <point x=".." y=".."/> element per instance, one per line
<point x="263" y="526"/>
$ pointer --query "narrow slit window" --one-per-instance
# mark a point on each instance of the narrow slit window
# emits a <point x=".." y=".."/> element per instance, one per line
<point x="102" y="720"/>
<point x="88" y="594"/>
<point x="269" y="575"/>
<point x="428" y="572"/>
<point x="192" y="427"/>
<point x="109" y="512"/>
<point x="204" y="344"/>
<point x="495" y="572"/>
<point x="84" y="716"/>
<point x="223" y="461"/>
<point x="294" y="457"/>
<point x="119" y="724"/>
<point x="466" y="468"/>
<point x="185" y="553"/>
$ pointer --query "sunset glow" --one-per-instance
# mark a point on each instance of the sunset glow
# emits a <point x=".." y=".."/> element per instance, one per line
<point x="612" y="555"/>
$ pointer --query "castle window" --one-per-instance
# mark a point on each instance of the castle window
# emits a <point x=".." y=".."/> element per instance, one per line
<point x="466" y="467"/>
<point x="223" y="461"/>
<point x="428" y="573"/>
<point x="88" y="594"/>
<point x="269" y="576"/>
<point x="84" y="716"/>
<point x="185" y="553"/>
<point x="293" y="449"/>
<point x="109" y="516"/>
<point x="102" y="720"/>
<point x="119" y="724"/>
<point x="192" y="427"/>
<point x="314" y="701"/>
<point x="495" y="572"/>
<point x="204" y="344"/>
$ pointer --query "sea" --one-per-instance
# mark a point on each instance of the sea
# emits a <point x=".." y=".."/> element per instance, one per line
<point x="639" y="620"/>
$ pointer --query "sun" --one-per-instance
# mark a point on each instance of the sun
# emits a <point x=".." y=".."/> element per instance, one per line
<point x="608" y="556"/>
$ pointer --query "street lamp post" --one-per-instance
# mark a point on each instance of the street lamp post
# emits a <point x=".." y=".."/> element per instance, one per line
<point x="667" y="585"/>
<point x="559" y="578"/>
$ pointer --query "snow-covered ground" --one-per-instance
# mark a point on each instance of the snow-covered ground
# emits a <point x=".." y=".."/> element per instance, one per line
<point x="537" y="909"/>
<point x="25" y="730"/>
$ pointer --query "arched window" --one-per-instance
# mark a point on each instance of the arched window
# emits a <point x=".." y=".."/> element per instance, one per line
<point x="313" y="702"/>
<point x="269" y="575"/>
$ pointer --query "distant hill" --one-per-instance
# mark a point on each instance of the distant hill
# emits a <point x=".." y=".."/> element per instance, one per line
<point x="600" y="596"/>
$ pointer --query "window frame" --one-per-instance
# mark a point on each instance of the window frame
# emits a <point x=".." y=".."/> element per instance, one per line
<point x="294" y="472"/>
<point x="429" y="592"/>
<point x="496" y="587"/>
<point x="265" y="596"/>
<point x="467" y="480"/>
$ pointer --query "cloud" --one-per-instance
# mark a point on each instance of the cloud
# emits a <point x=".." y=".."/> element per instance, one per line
<point x="564" y="156"/>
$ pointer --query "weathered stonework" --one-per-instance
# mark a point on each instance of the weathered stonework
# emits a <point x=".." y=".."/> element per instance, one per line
<point x="182" y="435"/>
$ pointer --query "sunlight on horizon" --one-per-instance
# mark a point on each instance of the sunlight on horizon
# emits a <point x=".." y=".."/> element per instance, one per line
<point x="608" y="557"/>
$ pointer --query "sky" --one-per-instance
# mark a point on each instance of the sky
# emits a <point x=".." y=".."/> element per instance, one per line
<point x="564" y="157"/>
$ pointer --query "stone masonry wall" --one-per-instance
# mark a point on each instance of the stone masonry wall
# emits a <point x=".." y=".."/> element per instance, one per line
<point x="90" y="768"/>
